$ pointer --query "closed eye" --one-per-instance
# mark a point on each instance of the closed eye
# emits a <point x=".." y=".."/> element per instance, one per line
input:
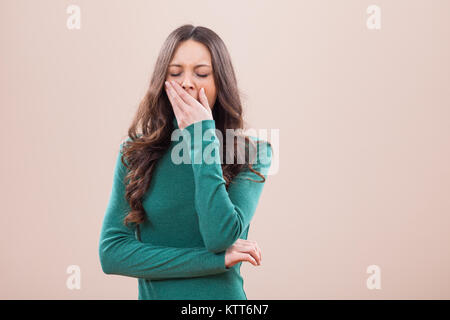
<point x="200" y="75"/>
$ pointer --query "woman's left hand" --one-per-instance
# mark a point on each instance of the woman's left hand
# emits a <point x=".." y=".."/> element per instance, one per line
<point x="187" y="109"/>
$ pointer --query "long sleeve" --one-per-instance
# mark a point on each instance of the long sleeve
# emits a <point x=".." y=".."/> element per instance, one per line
<point x="122" y="254"/>
<point x="223" y="215"/>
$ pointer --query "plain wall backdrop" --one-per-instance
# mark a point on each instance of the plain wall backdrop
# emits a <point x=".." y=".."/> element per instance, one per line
<point x="364" y="145"/>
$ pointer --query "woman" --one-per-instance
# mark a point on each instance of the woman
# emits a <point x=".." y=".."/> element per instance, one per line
<point x="181" y="228"/>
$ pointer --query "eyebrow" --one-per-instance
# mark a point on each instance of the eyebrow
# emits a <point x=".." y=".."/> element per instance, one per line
<point x="197" y="66"/>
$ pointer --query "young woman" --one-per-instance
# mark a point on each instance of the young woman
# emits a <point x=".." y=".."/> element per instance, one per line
<point x="181" y="228"/>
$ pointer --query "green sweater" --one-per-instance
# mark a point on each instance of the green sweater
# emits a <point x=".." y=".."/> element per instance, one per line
<point x="192" y="220"/>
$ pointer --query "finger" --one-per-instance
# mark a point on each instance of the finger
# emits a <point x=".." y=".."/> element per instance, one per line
<point x="175" y="98"/>
<point x="252" y="251"/>
<point x="170" y="95"/>
<point x="250" y="259"/>
<point x="260" y="256"/>
<point x="204" y="100"/>
<point x="185" y="97"/>
<point x="258" y="252"/>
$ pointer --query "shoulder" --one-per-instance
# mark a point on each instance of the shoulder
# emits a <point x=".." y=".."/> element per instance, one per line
<point x="263" y="149"/>
<point x="127" y="140"/>
<point x="259" y="155"/>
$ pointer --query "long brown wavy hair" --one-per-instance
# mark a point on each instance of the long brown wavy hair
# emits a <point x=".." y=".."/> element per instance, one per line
<point x="155" y="116"/>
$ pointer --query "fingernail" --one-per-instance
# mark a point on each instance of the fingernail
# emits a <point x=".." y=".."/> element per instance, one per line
<point x="166" y="83"/>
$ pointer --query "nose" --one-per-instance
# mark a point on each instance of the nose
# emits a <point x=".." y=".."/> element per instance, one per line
<point x="187" y="84"/>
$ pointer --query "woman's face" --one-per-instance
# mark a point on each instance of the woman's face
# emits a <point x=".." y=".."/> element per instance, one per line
<point x="191" y="68"/>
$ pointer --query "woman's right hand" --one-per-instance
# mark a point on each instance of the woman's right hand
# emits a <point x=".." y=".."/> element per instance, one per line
<point x="243" y="250"/>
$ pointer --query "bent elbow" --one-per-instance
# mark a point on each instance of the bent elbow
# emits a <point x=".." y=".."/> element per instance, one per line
<point x="219" y="239"/>
<point x="105" y="261"/>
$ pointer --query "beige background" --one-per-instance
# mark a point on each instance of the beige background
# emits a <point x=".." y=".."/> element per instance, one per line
<point x="364" y="150"/>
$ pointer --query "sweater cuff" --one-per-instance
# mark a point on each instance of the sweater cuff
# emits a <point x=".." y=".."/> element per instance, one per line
<point x="204" y="145"/>
<point x="219" y="261"/>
